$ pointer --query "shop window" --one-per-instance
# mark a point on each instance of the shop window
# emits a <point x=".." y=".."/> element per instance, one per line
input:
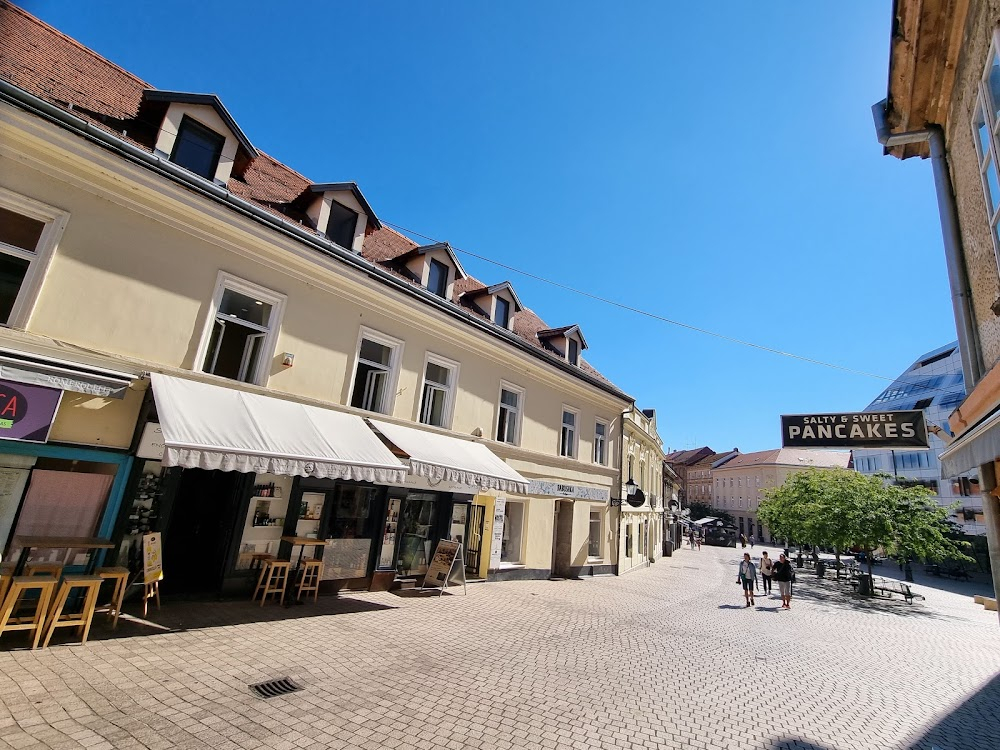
<point x="601" y="443"/>
<point x="438" y="391"/>
<point x="243" y="330"/>
<point x="416" y="532"/>
<point x="197" y="148"/>
<point x="567" y="436"/>
<point x="342" y="225"/>
<point x="509" y="414"/>
<point x="596" y="533"/>
<point x="513" y="525"/>
<point x="28" y="232"/>
<point x="375" y="374"/>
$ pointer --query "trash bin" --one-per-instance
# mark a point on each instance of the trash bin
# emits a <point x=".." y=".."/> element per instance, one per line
<point x="865" y="585"/>
<point x="820" y="568"/>
<point x="668" y="548"/>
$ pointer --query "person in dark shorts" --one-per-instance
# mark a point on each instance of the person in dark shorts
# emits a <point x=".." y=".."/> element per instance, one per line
<point x="783" y="575"/>
<point x="747" y="577"/>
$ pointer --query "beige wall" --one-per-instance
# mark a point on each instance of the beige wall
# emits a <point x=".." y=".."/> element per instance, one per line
<point x="90" y="420"/>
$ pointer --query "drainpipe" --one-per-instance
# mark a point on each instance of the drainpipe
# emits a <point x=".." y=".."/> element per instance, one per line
<point x="961" y="298"/>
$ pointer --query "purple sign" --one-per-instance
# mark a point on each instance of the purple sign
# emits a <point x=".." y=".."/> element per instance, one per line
<point x="27" y="411"/>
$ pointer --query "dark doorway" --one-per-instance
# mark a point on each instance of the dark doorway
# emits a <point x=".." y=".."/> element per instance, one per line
<point x="199" y="533"/>
<point x="474" y="539"/>
<point x="562" y="542"/>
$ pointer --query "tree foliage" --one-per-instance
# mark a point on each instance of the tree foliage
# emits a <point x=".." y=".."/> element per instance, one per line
<point x="844" y="509"/>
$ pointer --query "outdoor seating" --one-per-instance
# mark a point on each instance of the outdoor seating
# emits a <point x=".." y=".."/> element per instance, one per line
<point x="10" y="617"/>
<point x="119" y="576"/>
<point x="58" y="618"/>
<point x="887" y="587"/>
<point x="275" y="579"/>
<point x="312" y="571"/>
<point x="43" y="569"/>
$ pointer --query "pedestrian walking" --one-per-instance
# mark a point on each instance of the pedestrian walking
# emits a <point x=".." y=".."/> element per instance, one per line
<point x="752" y="539"/>
<point x="784" y="575"/>
<point x="691" y="538"/>
<point x="747" y="577"/>
<point x="743" y="540"/>
<point x="697" y="540"/>
<point x="766" y="571"/>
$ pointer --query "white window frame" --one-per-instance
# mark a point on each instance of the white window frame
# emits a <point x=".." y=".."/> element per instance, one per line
<point x="395" y="357"/>
<point x="449" y="398"/>
<point x="277" y="302"/>
<point x="600" y="534"/>
<point x="55" y="221"/>
<point x="605" y="445"/>
<point x="507" y="386"/>
<point x="989" y="158"/>
<point x="575" y="446"/>
<point x="508" y="513"/>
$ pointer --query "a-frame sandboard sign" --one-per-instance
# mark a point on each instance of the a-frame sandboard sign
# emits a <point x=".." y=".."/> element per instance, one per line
<point x="447" y="564"/>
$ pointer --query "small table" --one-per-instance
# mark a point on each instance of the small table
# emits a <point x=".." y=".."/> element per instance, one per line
<point x="301" y="542"/>
<point x="27" y="543"/>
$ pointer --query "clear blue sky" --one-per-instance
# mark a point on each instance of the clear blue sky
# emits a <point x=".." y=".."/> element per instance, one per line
<point x="712" y="163"/>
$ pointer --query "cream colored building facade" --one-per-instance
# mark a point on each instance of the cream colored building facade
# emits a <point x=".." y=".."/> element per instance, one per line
<point x="641" y="526"/>
<point x="145" y="266"/>
<point x="737" y="484"/>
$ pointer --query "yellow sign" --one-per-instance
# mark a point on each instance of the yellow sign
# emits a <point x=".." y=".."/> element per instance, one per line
<point x="152" y="558"/>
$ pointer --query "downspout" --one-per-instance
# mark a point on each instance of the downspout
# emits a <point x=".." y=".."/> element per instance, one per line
<point x="958" y="279"/>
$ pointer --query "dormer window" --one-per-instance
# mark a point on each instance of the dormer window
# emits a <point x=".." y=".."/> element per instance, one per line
<point x="566" y="342"/>
<point x="437" y="278"/>
<point x="574" y="351"/>
<point x="342" y="226"/>
<point x="502" y="314"/>
<point x="197" y="148"/>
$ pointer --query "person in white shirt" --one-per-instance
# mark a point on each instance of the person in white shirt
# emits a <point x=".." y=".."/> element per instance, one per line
<point x="766" y="569"/>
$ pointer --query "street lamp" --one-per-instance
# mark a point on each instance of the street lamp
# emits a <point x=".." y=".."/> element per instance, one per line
<point x="630" y="488"/>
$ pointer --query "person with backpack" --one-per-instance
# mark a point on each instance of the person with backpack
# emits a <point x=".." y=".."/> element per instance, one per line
<point x="784" y="575"/>
<point x="766" y="571"/>
<point x="747" y="577"/>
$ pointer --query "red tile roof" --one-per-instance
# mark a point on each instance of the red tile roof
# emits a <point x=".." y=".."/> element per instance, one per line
<point x="52" y="66"/>
<point x="791" y="457"/>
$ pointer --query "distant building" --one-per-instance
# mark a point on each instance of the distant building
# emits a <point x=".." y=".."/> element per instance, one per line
<point x="680" y="462"/>
<point x="933" y="383"/>
<point x="737" y="484"/>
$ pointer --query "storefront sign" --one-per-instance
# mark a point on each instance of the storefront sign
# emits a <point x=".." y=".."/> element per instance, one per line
<point x="868" y="429"/>
<point x="446" y="563"/>
<point x="151" y="443"/>
<point x="576" y="491"/>
<point x="496" y="542"/>
<point x="152" y="558"/>
<point x="27" y="411"/>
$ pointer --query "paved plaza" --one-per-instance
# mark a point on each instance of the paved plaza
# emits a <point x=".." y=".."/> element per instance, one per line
<point x="665" y="657"/>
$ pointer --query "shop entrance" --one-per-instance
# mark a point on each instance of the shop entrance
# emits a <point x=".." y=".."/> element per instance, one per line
<point x="474" y="539"/>
<point x="562" y="542"/>
<point x="199" y="531"/>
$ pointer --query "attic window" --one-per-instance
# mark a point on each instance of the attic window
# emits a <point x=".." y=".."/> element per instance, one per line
<point x="197" y="148"/>
<point x="574" y="351"/>
<point x="342" y="224"/>
<point x="437" y="278"/>
<point x="501" y="316"/>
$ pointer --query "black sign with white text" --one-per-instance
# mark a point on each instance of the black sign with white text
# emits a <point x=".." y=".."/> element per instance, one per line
<point x="866" y="429"/>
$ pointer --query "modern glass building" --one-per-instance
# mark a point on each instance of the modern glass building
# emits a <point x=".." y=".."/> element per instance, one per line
<point x="934" y="384"/>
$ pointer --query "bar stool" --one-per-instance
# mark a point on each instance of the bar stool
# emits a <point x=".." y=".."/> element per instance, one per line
<point x="16" y="588"/>
<point x="88" y="586"/>
<point x="275" y="579"/>
<point x="43" y="569"/>
<point x="312" y="571"/>
<point x="261" y="562"/>
<point x="120" y="577"/>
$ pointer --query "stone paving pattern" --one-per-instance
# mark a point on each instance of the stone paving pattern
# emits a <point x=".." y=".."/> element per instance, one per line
<point x="665" y="657"/>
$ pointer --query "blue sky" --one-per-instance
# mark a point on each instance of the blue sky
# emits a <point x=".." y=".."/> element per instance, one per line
<point x="711" y="163"/>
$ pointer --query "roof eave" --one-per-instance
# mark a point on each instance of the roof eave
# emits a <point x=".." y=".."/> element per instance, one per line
<point x="351" y="187"/>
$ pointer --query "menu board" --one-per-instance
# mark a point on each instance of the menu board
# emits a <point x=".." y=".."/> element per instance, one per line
<point x="152" y="558"/>
<point x="346" y="558"/>
<point x="496" y="543"/>
<point x="446" y="561"/>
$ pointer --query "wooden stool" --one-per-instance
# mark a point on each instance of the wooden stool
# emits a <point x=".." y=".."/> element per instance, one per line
<point x="312" y="571"/>
<point x="264" y="563"/>
<point x="17" y="586"/>
<point x="43" y="569"/>
<point x="120" y="577"/>
<point x="275" y="580"/>
<point x="89" y="586"/>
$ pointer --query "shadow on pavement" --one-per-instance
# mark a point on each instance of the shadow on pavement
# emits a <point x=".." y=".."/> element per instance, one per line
<point x="975" y="724"/>
<point x="181" y="615"/>
<point x="794" y="743"/>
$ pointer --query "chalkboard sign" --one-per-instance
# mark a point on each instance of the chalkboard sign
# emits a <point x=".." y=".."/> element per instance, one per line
<point x="446" y="563"/>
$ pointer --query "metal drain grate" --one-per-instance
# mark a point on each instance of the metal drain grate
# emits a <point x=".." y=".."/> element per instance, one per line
<point x="274" y="688"/>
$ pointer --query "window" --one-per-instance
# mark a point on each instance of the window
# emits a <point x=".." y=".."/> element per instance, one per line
<point x="437" y="278"/>
<point x="439" y="386"/>
<point x="567" y="436"/>
<point x="28" y="232"/>
<point x="513" y="522"/>
<point x="985" y="130"/>
<point x="243" y="330"/>
<point x="197" y="148"/>
<point x="594" y="540"/>
<point x="509" y="414"/>
<point x="342" y="224"/>
<point x="923" y="403"/>
<point x="628" y="540"/>
<point x="951" y="399"/>
<point x="601" y="443"/>
<point x="913" y="460"/>
<point x="501" y="315"/>
<point x="574" y="351"/>
<point x="375" y="373"/>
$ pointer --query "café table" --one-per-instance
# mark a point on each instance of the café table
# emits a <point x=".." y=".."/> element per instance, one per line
<point x="27" y="543"/>
<point x="301" y="542"/>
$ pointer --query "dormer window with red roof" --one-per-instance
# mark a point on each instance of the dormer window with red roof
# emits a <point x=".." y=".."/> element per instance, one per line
<point x="197" y="148"/>
<point x="342" y="225"/>
<point x="437" y="278"/>
<point x="574" y="351"/>
<point x="340" y="211"/>
<point x="567" y="342"/>
<point x="502" y="313"/>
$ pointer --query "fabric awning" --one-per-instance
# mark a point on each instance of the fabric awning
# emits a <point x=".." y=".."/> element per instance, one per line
<point x="441" y="457"/>
<point x="35" y="369"/>
<point x="980" y="445"/>
<point x="212" y="427"/>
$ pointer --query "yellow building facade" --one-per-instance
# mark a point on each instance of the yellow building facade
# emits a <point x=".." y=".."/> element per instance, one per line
<point x="640" y="522"/>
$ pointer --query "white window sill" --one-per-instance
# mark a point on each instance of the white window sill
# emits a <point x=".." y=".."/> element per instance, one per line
<point x="595" y="560"/>
<point x="510" y="566"/>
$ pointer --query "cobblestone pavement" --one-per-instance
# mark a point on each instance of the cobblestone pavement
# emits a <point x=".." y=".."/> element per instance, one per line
<point x="665" y="657"/>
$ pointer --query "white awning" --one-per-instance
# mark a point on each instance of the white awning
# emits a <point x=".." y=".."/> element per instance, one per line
<point x="980" y="445"/>
<point x="35" y="369"/>
<point x="212" y="427"/>
<point x="441" y="457"/>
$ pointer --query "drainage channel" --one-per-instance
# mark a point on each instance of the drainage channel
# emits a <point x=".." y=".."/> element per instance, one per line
<point x="274" y="688"/>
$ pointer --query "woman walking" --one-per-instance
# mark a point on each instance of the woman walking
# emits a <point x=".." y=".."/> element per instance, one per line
<point x="747" y="577"/>
<point x="783" y="575"/>
<point x="766" y="570"/>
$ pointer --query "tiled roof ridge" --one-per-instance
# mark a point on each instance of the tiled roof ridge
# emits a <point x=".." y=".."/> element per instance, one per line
<point x="7" y="5"/>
